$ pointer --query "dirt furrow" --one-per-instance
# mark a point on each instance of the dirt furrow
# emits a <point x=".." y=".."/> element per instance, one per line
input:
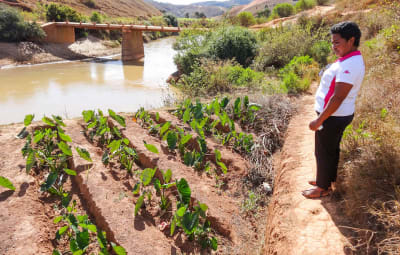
<point x="108" y="193"/>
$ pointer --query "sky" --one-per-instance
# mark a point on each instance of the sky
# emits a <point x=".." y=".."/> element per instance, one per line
<point x="185" y="1"/>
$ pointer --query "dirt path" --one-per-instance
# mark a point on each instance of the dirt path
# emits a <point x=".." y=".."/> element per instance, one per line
<point x="297" y="225"/>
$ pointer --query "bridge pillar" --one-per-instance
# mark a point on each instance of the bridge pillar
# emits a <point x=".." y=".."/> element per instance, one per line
<point x="132" y="45"/>
<point x="59" y="34"/>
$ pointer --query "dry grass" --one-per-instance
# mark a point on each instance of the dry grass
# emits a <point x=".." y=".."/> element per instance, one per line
<point x="369" y="181"/>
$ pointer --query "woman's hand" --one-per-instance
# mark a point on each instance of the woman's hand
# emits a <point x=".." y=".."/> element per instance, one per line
<point x="315" y="124"/>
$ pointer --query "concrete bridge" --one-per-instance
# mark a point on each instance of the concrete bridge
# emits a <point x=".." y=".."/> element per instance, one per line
<point x="132" y="38"/>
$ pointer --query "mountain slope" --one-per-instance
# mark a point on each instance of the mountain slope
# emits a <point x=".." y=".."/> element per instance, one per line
<point x="113" y="8"/>
<point x="208" y="8"/>
<point x="257" y="6"/>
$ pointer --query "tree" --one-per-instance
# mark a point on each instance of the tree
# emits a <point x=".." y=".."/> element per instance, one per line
<point x="246" y="19"/>
<point x="171" y="20"/>
<point x="265" y="13"/>
<point x="199" y="15"/>
<point x="187" y="15"/>
<point x="14" y="29"/>
<point x="60" y="13"/>
<point x="233" y="43"/>
<point x="283" y="10"/>
<point x="96" y="17"/>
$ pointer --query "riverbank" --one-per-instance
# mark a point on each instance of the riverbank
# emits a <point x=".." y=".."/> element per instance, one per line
<point x="12" y="54"/>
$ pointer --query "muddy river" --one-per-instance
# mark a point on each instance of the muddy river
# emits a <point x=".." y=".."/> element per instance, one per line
<point x="67" y="88"/>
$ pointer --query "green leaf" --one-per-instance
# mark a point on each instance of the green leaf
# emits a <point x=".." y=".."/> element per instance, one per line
<point x="23" y="133"/>
<point x="188" y="158"/>
<point x="147" y="175"/>
<point x="82" y="239"/>
<point x="173" y="226"/>
<point x="246" y="102"/>
<point x="78" y="252"/>
<point x="56" y="252"/>
<point x="203" y="207"/>
<point x="28" y="119"/>
<point x="157" y="117"/>
<point x="186" y="115"/>
<point x="139" y="204"/>
<point x="119" y="250"/>
<point x="214" y="243"/>
<point x="157" y="185"/>
<point x="217" y="155"/>
<point x="73" y="245"/>
<point x="64" y="137"/>
<point x="223" y="167"/>
<point x="48" y="121"/>
<point x="105" y="158"/>
<point x="224" y="102"/>
<point x="38" y="136"/>
<point x="6" y="183"/>
<point x="130" y="151"/>
<point x="58" y="120"/>
<point x="184" y="191"/>
<point x="114" y="146"/>
<point x="190" y="222"/>
<point x="30" y="161"/>
<point x="237" y="107"/>
<point x="165" y="128"/>
<point x="101" y="238"/>
<point x="117" y="118"/>
<point x="88" y="115"/>
<point x="136" y="189"/>
<point x="92" y="228"/>
<point x="167" y="175"/>
<point x="57" y="219"/>
<point x="51" y="179"/>
<point x="61" y="232"/>
<point x="83" y="153"/>
<point x="186" y="139"/>
<point x="202" y="144"/>
<point x="181" y="211"/>
<point x="65" y="148"/>
<point x="255" y="107"/>
<point x="172" y="139"/>
<point x="151" y="148"/>
<point x="70" y="172"/>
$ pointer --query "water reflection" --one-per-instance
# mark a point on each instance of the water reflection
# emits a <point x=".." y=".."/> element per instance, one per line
<point x="68" y="88"/>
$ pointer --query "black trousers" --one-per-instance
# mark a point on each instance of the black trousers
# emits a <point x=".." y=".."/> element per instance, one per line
<point x="327" y="148"/>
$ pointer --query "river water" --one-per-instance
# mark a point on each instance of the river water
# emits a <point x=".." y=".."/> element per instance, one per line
<point x="66" y="89"/>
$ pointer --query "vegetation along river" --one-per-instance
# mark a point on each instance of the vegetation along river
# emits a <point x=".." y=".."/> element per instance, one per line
<point x="68" y="88"/>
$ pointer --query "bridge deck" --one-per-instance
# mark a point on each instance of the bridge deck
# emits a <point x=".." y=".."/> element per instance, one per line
<point x="113" y="26"/>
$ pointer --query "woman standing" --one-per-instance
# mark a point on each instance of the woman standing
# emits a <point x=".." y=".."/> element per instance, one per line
<point x="335" y="104"/>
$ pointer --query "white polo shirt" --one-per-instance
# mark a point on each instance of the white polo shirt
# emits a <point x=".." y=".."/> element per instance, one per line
<point x="348" y="69"/>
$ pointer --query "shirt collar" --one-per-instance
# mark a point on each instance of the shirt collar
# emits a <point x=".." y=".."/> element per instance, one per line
<point x="351" y="54"/>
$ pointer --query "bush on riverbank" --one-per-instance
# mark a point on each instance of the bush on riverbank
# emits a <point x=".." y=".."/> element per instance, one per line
<point x="223" y="44"/>
<point x="14" y="29"/>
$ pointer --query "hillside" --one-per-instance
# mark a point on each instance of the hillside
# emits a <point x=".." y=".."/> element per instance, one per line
<point x="257" y="6"/>
<point x="207" y="8"/>
<point x="113" y="8"/>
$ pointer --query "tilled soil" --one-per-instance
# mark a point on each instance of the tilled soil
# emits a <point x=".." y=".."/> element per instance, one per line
<point x="105" y="194"/>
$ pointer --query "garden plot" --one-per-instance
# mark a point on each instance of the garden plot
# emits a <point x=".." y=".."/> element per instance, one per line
<point x="153" y="182"/>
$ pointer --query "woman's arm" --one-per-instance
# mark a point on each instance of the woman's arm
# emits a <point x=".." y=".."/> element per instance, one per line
<point x="341" y="91"/>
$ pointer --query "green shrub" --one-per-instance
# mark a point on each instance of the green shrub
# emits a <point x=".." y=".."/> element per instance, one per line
<point x="246" y="19"/>
<point x="302" y="5"/>
<point x="190" y="46"/>
<point x="298" y="74"/>
<point x="171" y="20"/>
<point x="233" y="43"/>
<point x="14" y="29"/>
<point x="320" y="52"/>
<point x="90" y="3"/>
<point x="243" y="77"/>
<point x="265" y="13"/>
<point x="96" y="17"/>
<point x="60" y="13"/>
<point x="283" y="10"/>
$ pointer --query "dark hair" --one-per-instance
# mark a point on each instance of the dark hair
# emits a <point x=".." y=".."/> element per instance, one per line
<point x="347" y="30"/>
